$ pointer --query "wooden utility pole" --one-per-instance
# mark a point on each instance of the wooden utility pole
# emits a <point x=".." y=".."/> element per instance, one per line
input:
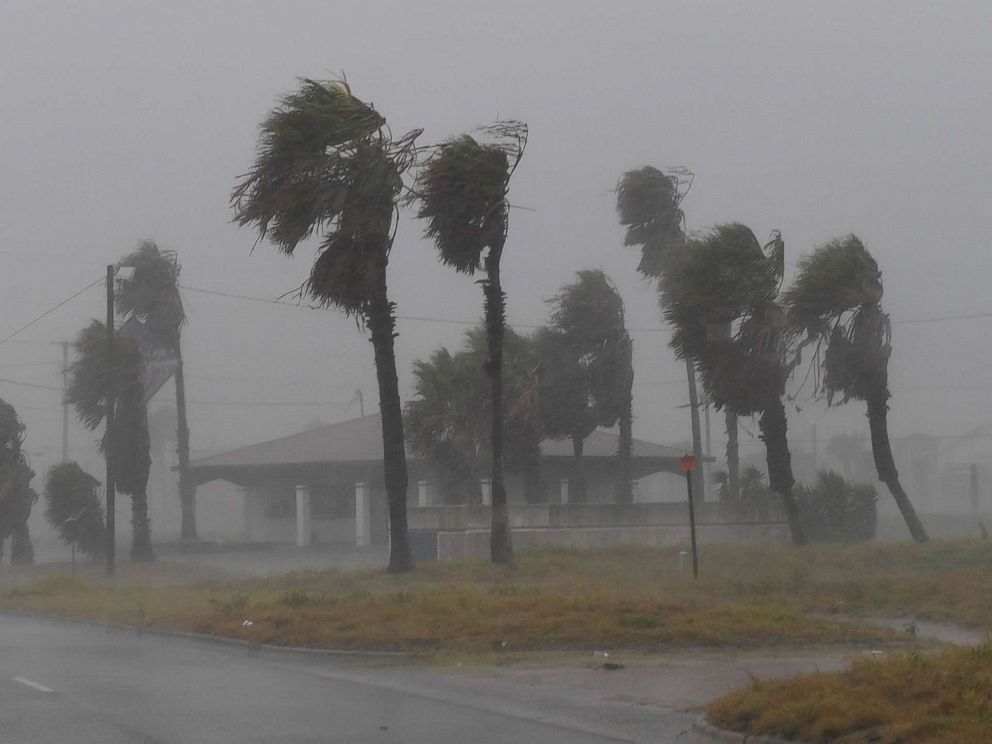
<point x="111" y="490"/>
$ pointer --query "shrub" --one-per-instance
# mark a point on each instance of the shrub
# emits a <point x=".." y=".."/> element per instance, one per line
<point x="73" y="507"/>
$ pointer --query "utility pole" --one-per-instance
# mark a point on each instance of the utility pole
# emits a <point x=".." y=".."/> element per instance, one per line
<point x="361" y="402"/>
<point x="111" y="489"/>
<point x="709" y="446"/>
<point x="65" y="404"/>
<point x="689" y="464"/>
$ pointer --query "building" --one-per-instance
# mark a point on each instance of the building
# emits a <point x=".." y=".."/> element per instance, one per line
<point x="325" y="485"/>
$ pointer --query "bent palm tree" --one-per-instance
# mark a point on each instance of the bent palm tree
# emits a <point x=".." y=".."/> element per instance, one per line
<point x="327" y="165"/>
<point x="127" y="443"/>
<point x="649" y="206"/>
<point x="835" y="303"/>
<point x="724" y="280"/>
<point x="152" y="295"/>
<point x="16" y="495"/>
<point x="462" y="193"/>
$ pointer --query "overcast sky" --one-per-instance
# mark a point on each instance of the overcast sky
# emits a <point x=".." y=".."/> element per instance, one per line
<point x="128" y="120"/>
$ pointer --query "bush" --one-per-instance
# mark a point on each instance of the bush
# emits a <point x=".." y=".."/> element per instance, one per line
<point x="832" y="510"/>
<point x="74" y="509"/>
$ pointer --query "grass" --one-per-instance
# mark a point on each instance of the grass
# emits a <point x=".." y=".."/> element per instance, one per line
<point x="746" y="596"/>
<point x="940" y="698"/>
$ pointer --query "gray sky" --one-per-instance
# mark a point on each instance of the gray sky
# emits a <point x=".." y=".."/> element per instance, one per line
<point x="130" y="120"/>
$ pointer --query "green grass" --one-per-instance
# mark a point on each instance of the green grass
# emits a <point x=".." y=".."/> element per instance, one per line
<point x="940" y="698"/>
<point x="746" y="596"/>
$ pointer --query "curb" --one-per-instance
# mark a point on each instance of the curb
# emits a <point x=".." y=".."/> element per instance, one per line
<point x="703" y="727"/>
<point x="256" y="648"/>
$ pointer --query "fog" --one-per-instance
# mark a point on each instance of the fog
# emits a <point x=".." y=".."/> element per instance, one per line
<point x="124" y="121"/>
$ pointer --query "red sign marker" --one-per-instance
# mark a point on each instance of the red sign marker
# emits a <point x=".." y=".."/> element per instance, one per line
<point x="687" y="463"/>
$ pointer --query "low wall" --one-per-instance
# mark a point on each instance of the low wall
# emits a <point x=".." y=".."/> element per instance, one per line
<point x="463" y="531"/>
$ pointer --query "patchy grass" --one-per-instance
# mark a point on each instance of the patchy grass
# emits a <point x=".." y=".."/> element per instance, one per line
<point x="940" y="698"/>
<point x="625" y="598"/>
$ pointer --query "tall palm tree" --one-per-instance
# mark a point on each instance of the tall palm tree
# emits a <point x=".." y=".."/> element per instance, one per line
<point x="151" y="294"/>
<point x="649" y="205"/>
<point x="462" y="194"/>
<point x="327" y="165"/>
<point x="587" y="372"/>
<point x="835" y="305"/>
<point x="16" y="495"/>
<point x="725" y="279"/>
<point x="128" y="443"/>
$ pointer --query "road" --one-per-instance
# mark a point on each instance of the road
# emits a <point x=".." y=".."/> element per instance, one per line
<point x="62" y="682"/>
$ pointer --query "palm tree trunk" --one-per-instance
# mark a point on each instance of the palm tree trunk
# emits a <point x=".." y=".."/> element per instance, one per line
<point x="733" y="456"/>
<point x="382" y="326"/>
<point x="21" y="550"/>
<point x="187" y="489"/>
<point x="774" y="433"/>
<point x="881" y="449"/>
<point x="500" y="545"/>
<point x="698" y="488"/>
<point x="577" y="483"/>
<point x="625" y="485"/>
<point x="141" y="529"/>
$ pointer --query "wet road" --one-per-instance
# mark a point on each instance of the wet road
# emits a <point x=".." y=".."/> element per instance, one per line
<point x="61" y="682"/>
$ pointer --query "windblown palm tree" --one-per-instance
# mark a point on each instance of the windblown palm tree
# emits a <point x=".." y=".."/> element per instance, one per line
<point x="462" y="193"/>
<point x="725" y="280"/>
<point x="16" y="495"/>
<point x="587" y="374"/>
<point x="649" y="205"/>
<point x="152" y="296"/>
<point x="835" y="306"/>
<point x="327" y="165"/>
<point x="128" y="443"/>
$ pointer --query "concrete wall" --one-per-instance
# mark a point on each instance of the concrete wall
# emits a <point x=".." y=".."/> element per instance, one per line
<point x="463" y="531"/>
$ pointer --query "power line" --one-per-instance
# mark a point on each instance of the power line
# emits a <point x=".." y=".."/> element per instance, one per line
<point x="50" y="310"/>
<point x="457" y="321"/>
<point x="31" y="385"/>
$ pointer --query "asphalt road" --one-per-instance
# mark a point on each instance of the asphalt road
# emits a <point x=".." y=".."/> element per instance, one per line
<point x="62" y="682"/>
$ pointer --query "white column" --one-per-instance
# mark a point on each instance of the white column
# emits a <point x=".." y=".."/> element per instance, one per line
<point x="422" y="495"/>
<point x="244" y="493"/>
<point x="487" y="491"/>
<point x="563" y="490"/>
<point x="363" y="515"/>
<point x="302" y="516"/>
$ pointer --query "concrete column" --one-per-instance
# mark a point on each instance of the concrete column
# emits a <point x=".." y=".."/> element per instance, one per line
<point x="563" y="490"/>
<point x="487" y="491"/>
<point x="363" y="515"/>
<point x="423" y="498"/>
<point x="244" y="493"/>
<point x="302" y="516"/>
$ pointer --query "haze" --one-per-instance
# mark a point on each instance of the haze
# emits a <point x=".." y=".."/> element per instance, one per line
<point x="124" y="121"/>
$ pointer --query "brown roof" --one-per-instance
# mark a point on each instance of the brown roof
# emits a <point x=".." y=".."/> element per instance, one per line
<point x="360" y="440"/>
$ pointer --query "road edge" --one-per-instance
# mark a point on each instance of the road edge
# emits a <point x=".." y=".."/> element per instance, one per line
<point x="703" y="727"/>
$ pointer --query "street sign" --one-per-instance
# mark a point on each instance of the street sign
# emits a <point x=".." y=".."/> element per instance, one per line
<point x="160" y="362"/>
<point x="687" y="463"/>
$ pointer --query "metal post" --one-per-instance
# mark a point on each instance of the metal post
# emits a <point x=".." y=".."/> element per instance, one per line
<point x="111" y="490"/>
<point x="361" y="402"/>
<point x="692" y="524"/>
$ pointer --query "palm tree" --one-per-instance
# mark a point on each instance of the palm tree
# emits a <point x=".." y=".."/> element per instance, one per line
<point x="462" y="193"/>
<point x="16" y="495"/>
<point x="725" y="279"/>
<point x="835" y="305"/>
<point x="151" y="294"/>
<point x="649" y="206"/>
<point x="587" y="372"/>
<point x="127" y="445"/>
<point x="327" y="165"/>
<point x="73" y="508"/>
<point x="446" y="421"/>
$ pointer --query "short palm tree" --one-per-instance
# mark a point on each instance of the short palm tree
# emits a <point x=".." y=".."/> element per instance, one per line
<point x="16" y="495"/>
<point x="462" y="194"/>
<point x="127" y="445"/>
<point x="724" y="279"/>
<point x="649" y="205"/>
<point x="151" y="294"/>
<point x="835" y="306"/>
<point x="327" y="165"/>
<point x="587" y="372"/>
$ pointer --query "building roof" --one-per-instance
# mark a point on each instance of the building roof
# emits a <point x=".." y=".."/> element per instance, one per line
<point x="360" y="440"/>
